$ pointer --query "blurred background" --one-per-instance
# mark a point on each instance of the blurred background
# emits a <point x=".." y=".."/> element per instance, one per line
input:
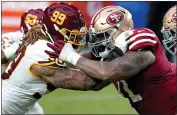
<point x="145" y="14"/>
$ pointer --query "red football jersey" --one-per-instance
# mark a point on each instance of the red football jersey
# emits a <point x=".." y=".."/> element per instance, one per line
<point x="153" y="90"/>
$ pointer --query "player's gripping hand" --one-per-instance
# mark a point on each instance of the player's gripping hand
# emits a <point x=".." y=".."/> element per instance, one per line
<point x="64" y="52"/>
<point x="56" y="47"/>
<point x="121" y="40"/>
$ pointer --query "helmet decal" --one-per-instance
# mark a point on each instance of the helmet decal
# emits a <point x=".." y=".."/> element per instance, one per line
<point x="169" y="30"/>
<point x="115" y="17"/>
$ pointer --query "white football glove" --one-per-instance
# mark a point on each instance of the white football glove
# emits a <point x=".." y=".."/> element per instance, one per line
<point x="69" y="55"/>
<point x="121" y="41"/>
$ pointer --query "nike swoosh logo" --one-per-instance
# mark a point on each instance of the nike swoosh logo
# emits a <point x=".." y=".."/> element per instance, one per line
<point x="140" y="31"/>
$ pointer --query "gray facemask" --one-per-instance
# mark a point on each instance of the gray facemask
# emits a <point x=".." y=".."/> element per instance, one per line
<point x="170" y="40"/>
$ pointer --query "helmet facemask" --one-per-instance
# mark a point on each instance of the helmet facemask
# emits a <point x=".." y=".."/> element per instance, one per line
<point x="101" y="42"/>
<point x="75" y="37"/>
<point x="170" y="40"/>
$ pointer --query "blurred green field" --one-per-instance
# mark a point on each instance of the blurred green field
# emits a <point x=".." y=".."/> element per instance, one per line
<point x="106" y="101"/>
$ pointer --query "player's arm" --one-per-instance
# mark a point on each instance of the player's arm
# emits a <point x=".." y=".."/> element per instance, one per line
<point x="139" y="57"/>
<point x="107" y="72"/>
<point x="87" y="55"/>
<point x="90" y="56"/>
<point x="66" y="78"/>
<point x="120" y="68"/>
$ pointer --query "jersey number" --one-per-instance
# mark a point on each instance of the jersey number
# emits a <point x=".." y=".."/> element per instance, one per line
<point x="30" y="19"/>
<point x="58" y="17"/>
<point x="132" y="96"/>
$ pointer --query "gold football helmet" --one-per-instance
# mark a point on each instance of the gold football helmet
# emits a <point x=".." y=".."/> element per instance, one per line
<point x="169" y="30"/>
<point x="105" y="26"/>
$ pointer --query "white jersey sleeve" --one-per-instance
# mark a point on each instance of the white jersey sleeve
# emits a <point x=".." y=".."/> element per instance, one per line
<point x="10" y="43"/>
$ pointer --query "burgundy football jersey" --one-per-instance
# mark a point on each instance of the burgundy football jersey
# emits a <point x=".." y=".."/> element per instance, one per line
<point x="153" y="90"/>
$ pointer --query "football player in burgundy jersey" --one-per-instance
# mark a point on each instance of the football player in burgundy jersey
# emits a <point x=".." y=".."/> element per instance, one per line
<point x="169" y="30"/>
<point x="142" y="73"/>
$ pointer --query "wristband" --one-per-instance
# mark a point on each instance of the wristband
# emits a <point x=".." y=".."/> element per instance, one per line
<point x="73" y="57"/>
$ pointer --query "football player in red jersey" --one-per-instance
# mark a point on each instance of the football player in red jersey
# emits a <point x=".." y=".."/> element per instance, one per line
<point x="169" y="30"/>
<point x="142" y="74"/>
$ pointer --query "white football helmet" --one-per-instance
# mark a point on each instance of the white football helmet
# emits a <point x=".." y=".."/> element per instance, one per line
<point x="105" y="26"/>
<point x="169" y="30"/>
